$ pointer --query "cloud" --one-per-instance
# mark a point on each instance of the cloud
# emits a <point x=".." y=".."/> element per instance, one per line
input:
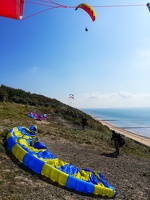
<point x="142" y="95"/>
<point x="97" y="95"/>
<point x="116" y="99"/>
<point x="125" y="94"/>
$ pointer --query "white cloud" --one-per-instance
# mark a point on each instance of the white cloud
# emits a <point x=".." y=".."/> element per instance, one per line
<point x="97" y="95"/>
<point x="116" y="99"/>
<point x="125" y="94"/>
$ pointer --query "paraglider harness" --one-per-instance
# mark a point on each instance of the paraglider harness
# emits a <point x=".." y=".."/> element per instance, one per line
<point x="121" y="140"/>
<point x="118" y="138"/>
<point x="84" y="121"/>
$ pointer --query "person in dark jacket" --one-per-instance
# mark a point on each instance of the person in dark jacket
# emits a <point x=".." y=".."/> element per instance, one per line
<point x="118" y="141"/>
<point x="84" y="121"/>
<point x="115" y="138"/>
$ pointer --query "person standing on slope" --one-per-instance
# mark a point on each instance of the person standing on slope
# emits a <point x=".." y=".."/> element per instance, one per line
<point x="118" y="141"/>
<point x="84" y="122"/>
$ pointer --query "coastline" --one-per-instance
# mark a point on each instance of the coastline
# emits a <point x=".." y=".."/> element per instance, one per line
<point x="133" y="136"/>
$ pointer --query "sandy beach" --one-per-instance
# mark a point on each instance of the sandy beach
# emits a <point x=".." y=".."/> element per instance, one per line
<point x="135" y="137"/>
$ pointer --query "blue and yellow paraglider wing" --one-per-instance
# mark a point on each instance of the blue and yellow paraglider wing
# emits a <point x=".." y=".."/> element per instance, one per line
<point x="24" y="144"/>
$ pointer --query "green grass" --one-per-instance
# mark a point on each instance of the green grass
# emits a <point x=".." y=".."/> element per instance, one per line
<point x="96" y="135"/>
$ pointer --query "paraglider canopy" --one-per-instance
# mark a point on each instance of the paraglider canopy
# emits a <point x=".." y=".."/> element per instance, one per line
<point x="88" y="9"/>
<point x="11" y="8"/>
<point x="148" y="5"/>
<point x="71" y="96"/>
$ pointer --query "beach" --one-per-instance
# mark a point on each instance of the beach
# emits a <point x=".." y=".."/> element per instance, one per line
<point x="133" y="136"/>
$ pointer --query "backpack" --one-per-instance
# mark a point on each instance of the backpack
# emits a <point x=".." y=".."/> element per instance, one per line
<point x="86" y="123"/>
<point x="121" y="140"/>
<point x="84" y="120"/>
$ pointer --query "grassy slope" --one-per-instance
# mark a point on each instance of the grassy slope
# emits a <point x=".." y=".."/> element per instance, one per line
<point x="62" y="124"/>
<point x="65" y="123"/>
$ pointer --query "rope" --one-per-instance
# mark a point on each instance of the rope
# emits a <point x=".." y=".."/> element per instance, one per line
<point x="51" y="4"/>
<point x="40" y="12"/>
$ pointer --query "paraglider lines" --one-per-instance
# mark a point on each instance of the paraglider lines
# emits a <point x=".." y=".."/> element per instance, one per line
<point x="39" y="12"/>
<point x="50" y="5"/>
<point x="43" y="4"/>
<point x="14" y="9"/>
<point x="125" y="5"/>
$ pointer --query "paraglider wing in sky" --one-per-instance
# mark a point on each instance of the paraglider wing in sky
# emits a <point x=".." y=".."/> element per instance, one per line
<point x="71" y="96"/>
<point x="88" y="9"/>
<point x="11" y="8"/>
<point x="148" y="5"/>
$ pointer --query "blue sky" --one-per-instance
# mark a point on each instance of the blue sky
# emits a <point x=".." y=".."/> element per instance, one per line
<point x="52" y="54"/>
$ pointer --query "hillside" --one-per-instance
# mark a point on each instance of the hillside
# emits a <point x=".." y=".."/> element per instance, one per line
<point x="129" y="173"/>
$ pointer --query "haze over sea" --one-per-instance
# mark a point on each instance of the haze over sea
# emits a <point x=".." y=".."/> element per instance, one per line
<point x="135" y="120"/>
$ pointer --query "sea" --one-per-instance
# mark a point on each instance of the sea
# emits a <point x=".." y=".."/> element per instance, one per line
<point x="135" y="120"/>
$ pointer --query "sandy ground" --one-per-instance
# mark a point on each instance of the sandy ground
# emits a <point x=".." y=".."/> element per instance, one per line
<point x="135" y="137"/>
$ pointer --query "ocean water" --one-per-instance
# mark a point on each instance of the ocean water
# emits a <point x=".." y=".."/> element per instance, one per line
<point x="136" y="120"/>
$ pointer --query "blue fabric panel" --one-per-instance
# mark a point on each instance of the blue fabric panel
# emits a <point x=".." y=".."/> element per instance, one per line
<point x="89" y="188"/>
<point x="71" y="182"/>
<point x="22" y="130"/>
<point x="79" y="185"/>
<point x="93" y="177"/>
<point x="69" y="169"/>
<point x="11" y="142"/>
<point x="26" y="159"/>
<point x="32" y="128"/>
<point x="105" y="183"/>
<point x="39" y="145"/>
<point x="46" y="155"/>
<point x="33" y="163"/>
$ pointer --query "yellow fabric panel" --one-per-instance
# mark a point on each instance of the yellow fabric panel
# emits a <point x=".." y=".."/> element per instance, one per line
<point x="58" y="176"/>
<point x="9" y="135"/>
<point x="35" y="150"/>
<point x="54" y="174"/>
<point x="18" y="152"/>
<point x="83" y="175"/>
<point x="53" y="162"/>
<point x="26" y="144"/>
<point x="62" y="178"/>
<point x="48" y="161"/>
<point x="56" y="162"/>
<point x="26" y="137"/>
<point x="46" y="170"/>
<point x="101" y="184"/>
<point x="23" y="142"/>
<point x="18" y="133"/>
<point x="103" y="191"/>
